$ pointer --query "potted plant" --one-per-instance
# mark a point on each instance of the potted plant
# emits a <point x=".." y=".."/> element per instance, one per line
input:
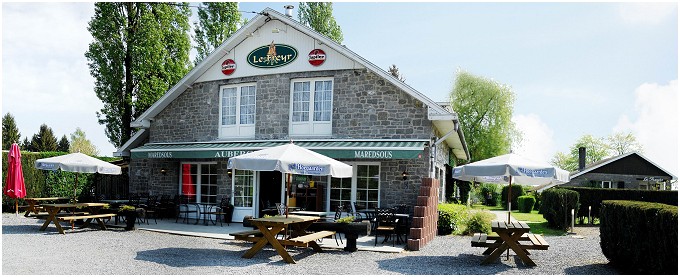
<point x="130" y="213"/>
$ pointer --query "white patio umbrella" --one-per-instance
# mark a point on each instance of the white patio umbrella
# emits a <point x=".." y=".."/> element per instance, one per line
<point x="290" y="159"/>
<point x="79" y="163"/>
<point x="511" y="168"/>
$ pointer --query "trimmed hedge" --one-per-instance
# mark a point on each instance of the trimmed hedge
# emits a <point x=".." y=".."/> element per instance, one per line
<point x="593" y="197"/>
<point x="556" y="207"/>
<point x="517" y="191"/>
<point x="526" y="203"/>
<point x="640" y="237"/>
<point x="486" y="190"/>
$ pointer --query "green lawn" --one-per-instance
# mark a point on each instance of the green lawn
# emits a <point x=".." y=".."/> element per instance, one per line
<point x="535" y="220"/>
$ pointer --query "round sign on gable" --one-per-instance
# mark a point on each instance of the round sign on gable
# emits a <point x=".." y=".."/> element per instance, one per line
<point x="317" y="57"/>
<point x="228" y="66"/>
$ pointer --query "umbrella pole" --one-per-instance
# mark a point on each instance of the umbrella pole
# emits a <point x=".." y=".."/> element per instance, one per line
<point x="287" y="191"/>
<point x="507" y="253"/>
<point x="16" y="206"/>
<point x="509" y="198"/>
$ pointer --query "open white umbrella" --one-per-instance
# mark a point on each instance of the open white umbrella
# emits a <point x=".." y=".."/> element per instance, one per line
<point x="511" y="168"/>
<point x="79" y="163"/>
<point x="291" y="159"/>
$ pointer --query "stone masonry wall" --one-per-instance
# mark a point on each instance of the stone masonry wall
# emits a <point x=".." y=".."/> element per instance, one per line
<point x="365" y="106"/>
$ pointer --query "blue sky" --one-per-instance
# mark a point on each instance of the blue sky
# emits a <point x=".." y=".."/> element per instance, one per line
<point x="575" y="68"/>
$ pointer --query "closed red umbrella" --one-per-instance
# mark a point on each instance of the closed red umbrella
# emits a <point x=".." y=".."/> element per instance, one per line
<point x="15" y="187"/>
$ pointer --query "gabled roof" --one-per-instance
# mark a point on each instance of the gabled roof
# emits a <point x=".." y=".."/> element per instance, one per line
<point x="436" y="113"/>
<point x="602" y="163"/>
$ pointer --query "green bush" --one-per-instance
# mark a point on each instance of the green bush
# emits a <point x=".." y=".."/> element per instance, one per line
<point x="556" y="207"/>
<point x="492" y="190"/>
<point x="640" y="237"/>
<point x="479" y="222"/>
<point x="517" y="191"/>
<point x="43" y="183"/>
<point x="452" y="218"/>
<point x="526" y="203"/>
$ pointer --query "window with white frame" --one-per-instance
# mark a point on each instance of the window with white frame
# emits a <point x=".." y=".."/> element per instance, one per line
<point x="341" y="192"/>
<point x="368" y="186"/>
<point x="199" y="182"/>
<point x="244" y="188"/>
<point x="363" y="188"/>
<point x="311" y="107"/>
<point x="237" y="111"/>
<point x="606" y="184"/>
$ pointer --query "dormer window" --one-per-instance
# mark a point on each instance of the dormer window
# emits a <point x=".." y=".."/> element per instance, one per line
<point x="311" y="107"/>
<point x="237" y="111"/>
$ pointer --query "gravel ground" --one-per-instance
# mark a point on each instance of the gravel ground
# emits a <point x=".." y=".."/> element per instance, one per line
<point x="26" y="250"/>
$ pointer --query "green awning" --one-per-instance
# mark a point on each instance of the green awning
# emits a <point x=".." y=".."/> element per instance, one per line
<point x="377" y="150"/>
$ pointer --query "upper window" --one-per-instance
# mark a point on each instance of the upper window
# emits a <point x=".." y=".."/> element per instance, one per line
<point x="237" y="111"/>
<point x="311" y="107"/>
<point x="606" y="184"/>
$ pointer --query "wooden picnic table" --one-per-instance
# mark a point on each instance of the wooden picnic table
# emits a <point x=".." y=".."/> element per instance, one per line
<point x="34" y="206"/>
<point x="510" y="235"/>
<point x="93" y="213"/>
<point x="270" y="227"/>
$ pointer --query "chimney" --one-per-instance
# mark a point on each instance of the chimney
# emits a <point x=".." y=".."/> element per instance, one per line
<point x="581" y="158"/>
<point x="289" y="10"/>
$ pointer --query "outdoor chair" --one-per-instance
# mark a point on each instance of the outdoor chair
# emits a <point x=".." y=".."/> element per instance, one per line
<point x="386" y="224"/>
<point x="338" y="214"/>
<point x="184" y="207"/>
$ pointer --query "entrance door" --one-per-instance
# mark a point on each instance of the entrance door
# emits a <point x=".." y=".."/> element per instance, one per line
<point x="270" y="190"/>
<point x="243" y="188"/>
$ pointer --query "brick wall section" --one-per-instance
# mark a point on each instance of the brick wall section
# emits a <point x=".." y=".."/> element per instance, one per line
<point x="425" y="216"/>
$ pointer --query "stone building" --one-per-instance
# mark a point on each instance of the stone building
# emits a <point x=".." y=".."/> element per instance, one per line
<point x="275" y="81"/>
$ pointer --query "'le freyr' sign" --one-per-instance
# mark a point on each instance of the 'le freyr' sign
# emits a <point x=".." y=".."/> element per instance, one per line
<point x="272" y="55"/>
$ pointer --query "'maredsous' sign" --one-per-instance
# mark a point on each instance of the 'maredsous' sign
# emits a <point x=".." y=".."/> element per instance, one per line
<point x="272" y="55"/>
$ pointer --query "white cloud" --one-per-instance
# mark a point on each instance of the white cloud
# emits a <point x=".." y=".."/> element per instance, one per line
<point x="537" y="138"/>
<point x="646" y="13"/>
<point x="655" y="123"/>
<point x="45" y="77"/>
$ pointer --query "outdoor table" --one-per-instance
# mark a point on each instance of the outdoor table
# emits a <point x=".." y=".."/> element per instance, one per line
<point x="207" y="210"/>
<point x="510" y="234"/>
<point x="33" y="203"/>
<point x="321" y="215"/>
<point x="271" y="226"/>
<point x="53" y="211"/>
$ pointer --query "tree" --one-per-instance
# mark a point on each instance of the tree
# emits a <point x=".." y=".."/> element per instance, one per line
<point x="217" y="22"/>
<point x="139" y="51"/>
<point x="319" y="16"/>
<point x="621" y="143"/>
<point x="79" y="143"/>
<point x="395" y="72"/>
<point x="44" y="140"/>
<point x="484" y="108"/>
<point x="63" y="144"/>
<point x="597" y="149"/>
<point x="10" y="132"/>
<point x="26" y="145"/>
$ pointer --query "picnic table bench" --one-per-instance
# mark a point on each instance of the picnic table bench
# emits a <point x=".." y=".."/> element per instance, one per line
<point x="510" y="235"/>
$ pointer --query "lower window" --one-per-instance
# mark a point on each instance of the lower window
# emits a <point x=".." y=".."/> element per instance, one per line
<point x="199" y="182"/>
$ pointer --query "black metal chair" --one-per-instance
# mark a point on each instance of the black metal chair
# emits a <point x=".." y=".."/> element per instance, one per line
<point x="184" y="207"/>
<point x="338" y="214"/>
<point x="386" y="223"/>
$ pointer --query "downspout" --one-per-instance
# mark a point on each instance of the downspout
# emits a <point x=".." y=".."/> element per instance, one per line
<point x="433" y="147"/>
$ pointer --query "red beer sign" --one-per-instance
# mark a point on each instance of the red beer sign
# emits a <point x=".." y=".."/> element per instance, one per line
<point x="228" y="67"/>
<point x="317" y="57"/>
